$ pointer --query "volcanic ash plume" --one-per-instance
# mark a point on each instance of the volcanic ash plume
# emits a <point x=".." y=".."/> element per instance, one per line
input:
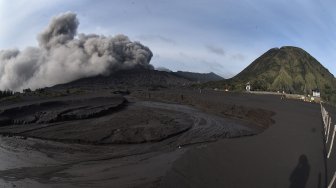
<point x="64" y="56"/>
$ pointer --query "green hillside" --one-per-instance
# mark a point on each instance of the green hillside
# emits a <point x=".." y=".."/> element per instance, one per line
<point x="289" y="68"/>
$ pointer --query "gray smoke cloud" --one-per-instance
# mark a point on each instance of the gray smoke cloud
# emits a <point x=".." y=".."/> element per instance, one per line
<point x="63" y="56"/>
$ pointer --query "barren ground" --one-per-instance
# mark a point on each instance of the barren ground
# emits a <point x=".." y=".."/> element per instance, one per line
<point x="104" y="139"/>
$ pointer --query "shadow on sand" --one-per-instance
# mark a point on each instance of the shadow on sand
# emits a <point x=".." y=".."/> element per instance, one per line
<point x="300" y="174"/>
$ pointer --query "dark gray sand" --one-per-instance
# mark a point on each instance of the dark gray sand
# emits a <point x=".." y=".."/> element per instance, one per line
<point x="288" y="154"/>
<point x="160" y="139"/>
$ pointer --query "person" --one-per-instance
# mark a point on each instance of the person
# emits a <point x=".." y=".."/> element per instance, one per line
<point x="283" y="96"/>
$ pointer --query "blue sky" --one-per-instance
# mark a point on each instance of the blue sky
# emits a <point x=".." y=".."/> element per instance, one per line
<point x="222" y="36"/>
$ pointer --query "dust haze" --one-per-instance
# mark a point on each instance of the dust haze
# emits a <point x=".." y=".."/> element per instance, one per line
<point x="63" y="56"/>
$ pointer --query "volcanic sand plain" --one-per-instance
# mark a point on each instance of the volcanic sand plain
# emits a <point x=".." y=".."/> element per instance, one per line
<point x="162" y="138"/>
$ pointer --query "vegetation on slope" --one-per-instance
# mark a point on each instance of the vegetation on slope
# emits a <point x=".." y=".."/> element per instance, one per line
<point x="288" y="69"/>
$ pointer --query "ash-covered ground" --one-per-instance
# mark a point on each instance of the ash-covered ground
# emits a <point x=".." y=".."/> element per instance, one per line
<point x="68" y="137"/>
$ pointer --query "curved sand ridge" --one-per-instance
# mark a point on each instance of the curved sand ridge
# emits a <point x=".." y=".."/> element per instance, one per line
<point x="113" y="120"/>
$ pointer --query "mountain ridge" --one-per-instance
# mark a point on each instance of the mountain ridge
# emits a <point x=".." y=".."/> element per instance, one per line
<point x="199" y="77"/>
<point x="129" y="78"/>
